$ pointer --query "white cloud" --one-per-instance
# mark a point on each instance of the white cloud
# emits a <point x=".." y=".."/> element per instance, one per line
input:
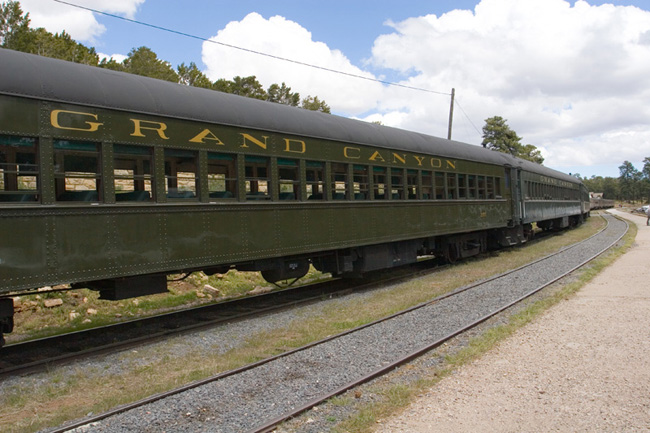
<point x="574" y="81"/>
<point x="80" y="24"/>
<point x="280" y="37"/>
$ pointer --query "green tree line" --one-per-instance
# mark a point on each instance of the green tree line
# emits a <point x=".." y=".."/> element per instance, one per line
<point x="632" y="185"/>
<point x="16" y="34"/>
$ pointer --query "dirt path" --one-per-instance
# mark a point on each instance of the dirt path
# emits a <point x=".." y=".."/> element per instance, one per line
<point x="584" y="366"/>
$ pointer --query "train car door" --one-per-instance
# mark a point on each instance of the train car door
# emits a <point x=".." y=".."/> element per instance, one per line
<point x="513" y="181"/>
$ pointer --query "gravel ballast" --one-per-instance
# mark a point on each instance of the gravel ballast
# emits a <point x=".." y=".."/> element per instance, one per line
<point x="583" y="366"/>
<point x="242" y="402"/>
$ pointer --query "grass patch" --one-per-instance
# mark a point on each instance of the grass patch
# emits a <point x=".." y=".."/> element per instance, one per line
<point x="95" y="391"/>
<point x="82" y="309"/>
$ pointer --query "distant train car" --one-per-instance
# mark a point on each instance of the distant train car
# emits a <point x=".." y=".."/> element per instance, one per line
<point x="112" y="181"/>
<point x="600" y="203"/>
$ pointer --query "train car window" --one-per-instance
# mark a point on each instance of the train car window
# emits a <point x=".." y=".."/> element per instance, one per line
<point x="489" y="187"/>
<point x="481" y="187"/>
<point x="315" y="173"/>
<point x="440" y="185"/>
<point x="339" y="181"/>
<point x="288" y="179"/>
<point x="133" y="173"/>
<point x="360" y="182"/>
<point x="528" y="190"/>
<point x="452" y="192"/>
<point x="472" y="191"/>
<point x="379" y="182"/>
<point x="534" y="191"/>
<point x="462" y="186"/>
<point x="19" y="175"/>
<point x="397" y="184"/>
<point x="222" y="176"/>
<point x="427" y="185"/>
<point x="412" y="184"/>
<point x="77" y="172"/>
<point x="257" y="178"/>
<point x="497" y="187"/>
<point x="181" y="173"/>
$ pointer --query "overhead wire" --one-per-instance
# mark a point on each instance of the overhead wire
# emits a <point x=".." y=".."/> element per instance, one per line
<point x="260" y="53"/>
<point x="248" y="50"/>
<point x="467" y="117"/>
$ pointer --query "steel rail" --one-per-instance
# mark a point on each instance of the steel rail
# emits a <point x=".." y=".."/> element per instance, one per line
<point x="270" y="424"/>
<point x="28" y="357"/>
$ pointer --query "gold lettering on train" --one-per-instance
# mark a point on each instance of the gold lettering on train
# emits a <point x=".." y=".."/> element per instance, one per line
<point x="139" y="125"/>
<point x="351" y="152"/>
<point x="248" y="137"/>
<point x="206" y="134"/>
<point x="398" y="157"/>
<point x="89" y="122"/>
<point x="92" y="126"/>
<point x="295" y="146"/>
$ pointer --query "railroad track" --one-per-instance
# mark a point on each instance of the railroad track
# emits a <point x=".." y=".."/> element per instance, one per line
<point x="37" y="355"/>
<point x="258" y="397"/>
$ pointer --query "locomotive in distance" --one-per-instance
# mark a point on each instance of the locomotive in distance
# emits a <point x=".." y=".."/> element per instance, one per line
<point x="112" y="181"/>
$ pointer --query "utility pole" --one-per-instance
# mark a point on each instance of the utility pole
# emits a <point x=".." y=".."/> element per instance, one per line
<point x="451" y="113"/>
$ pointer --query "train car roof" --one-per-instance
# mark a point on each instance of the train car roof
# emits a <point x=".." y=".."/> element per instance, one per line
<point x="38" y="77"/>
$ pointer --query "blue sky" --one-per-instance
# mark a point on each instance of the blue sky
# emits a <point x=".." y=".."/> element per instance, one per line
<point x="571" y="77"/>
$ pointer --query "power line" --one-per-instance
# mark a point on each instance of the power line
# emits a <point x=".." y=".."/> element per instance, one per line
<point x="470" y="120"/>
<point x="388" y="83"/>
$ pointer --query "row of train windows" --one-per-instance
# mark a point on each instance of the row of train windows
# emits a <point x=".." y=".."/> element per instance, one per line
<point x="540" y="191"/>
<point x="78" y="176"/>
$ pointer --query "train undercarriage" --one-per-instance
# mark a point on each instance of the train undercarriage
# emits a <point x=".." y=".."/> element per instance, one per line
<point x="347" y="263"/>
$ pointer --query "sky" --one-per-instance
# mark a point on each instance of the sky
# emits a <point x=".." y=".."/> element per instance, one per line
<point x="570" y="77"/>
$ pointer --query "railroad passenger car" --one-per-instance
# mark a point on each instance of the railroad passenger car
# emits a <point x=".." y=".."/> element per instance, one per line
<point x="601" y="203"/>
<point x="112" y="181"/>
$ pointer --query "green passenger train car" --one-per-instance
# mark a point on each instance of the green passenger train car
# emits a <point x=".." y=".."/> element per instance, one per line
<point x="112" y="181"/>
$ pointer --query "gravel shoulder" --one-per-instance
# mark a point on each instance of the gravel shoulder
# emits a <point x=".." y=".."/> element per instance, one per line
<point x="583" y="366"/>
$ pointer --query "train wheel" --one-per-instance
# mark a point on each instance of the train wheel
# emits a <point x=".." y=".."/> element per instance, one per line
<point x="451" y="253"/>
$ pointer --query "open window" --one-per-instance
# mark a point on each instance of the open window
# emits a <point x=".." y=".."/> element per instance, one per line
<point x="19" y="174"/>
<point x="412" y="184"/>
<point x="360" y="182"/>
<point x="452" y="192"/>
<point x="315" y="176"/>
<point x="257" y="178"/>
<point x="77" y="171"/>
<point x="379" y="179"/>
<point x="340" y="181"/>
<point x="288" y="179"/>
<point x="181" y="172"/>
<point x="222" y="176"/>
<point x="133" y="173"/>
<point x="427" y="185"/>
